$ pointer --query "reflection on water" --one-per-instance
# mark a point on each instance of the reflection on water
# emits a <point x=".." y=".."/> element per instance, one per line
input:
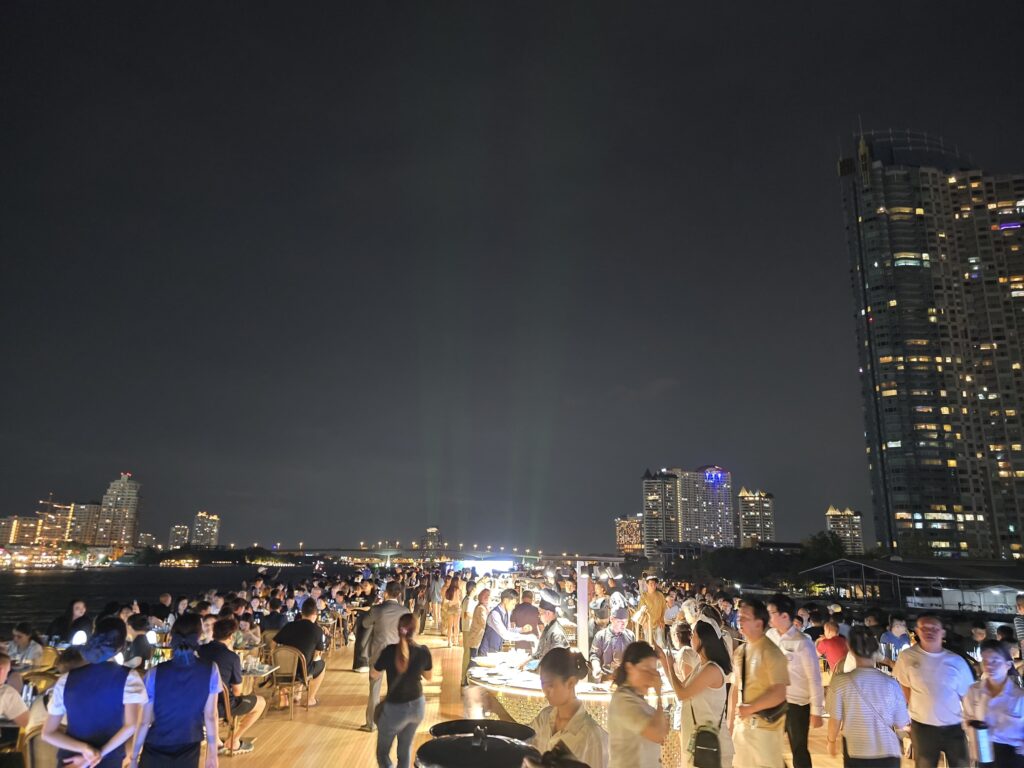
<point x="39" y="596"/>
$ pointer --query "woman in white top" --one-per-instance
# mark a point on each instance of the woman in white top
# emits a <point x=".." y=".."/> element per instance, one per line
<point x="702" y="692"/>
<point x="25" y="648"/>
<point x="999" y="702"/>
<point x="636" y="730"/>
<point x="567" y="720"/>
<point x="867" y="706"/>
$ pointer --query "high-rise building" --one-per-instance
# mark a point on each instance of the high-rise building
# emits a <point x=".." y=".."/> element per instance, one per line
<point x="85" y="522"/>
<point x="431" y="541"/>
<point x="756" y="517"/>
<point x="661" y="510"/>
<point x="178" y="537"/>
<point x="24" y="529"/>
<point x="846" y="524"/>
<point x="937" y="264"/>
<point x="119" y="516"/>
<point x="706" y="511"/>
<point x="629" y="534"/>
<point x="146" y="540"/>
<point x="54" y="521"/>
<point x="6" y="530"/>
<point x="205" y="530"/>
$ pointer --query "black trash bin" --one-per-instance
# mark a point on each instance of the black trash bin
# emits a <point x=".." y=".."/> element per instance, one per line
<point x="476" y="748"/>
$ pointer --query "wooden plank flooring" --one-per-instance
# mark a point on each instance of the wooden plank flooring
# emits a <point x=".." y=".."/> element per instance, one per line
<point x="329" y="735"/>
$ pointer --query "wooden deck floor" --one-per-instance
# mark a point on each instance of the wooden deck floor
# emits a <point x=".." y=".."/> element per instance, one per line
<point x="329" y="735"/>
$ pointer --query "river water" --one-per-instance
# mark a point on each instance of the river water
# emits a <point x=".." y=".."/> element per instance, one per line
<point x="40" y="596"/>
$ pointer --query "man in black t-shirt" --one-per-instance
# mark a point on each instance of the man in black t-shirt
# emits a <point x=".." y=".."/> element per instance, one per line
<point x="306" y="636"/>
<point x="163" y="608"/>
<point x="249" y="707"/>
<point x="274" y="619"/>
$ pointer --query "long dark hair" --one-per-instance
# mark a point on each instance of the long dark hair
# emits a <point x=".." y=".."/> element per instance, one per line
<point x="635" y="653"/>
<point x="712" y="647"/>
<point x="24" y="628"/>
<point x="406" y="639"/>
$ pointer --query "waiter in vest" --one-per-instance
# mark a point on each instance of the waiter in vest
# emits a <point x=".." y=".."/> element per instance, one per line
<point x="499" y="627"/>
<point x="101" y="701"/>
<point x="182" y="700"/>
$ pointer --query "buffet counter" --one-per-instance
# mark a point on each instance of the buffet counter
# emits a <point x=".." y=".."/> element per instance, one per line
<point x="519" y="692"/>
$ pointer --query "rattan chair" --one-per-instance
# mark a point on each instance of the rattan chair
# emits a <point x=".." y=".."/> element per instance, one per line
<point x="229" y="718"/>
<point x="48" y="659"/>
<point x="289" y="662"/>
<point x="267" y="644"/>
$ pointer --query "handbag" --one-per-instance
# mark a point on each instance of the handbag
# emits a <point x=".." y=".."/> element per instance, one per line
<point x="705" y="744"/>
<point x="770" y="715"/>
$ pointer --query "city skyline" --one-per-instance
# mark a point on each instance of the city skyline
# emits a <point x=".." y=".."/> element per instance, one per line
<point x="477" y="266"/>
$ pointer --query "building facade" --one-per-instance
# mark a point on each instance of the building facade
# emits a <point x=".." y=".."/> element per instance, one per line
<point x="119" y="514"/>
<point x="937" y="265"/>
<point x="756" y="517"/>
<point x="661" y="510"/>
<point x="85" y="523"/>
<point x="706" y="509"/>
<point x="205" y="530"/>
<point x="178" y="537"/>
<point x="54" y="522"/>
<point x="629" y="535"/>
<point x="431" y="540"/>
<point x="846" y="524"/>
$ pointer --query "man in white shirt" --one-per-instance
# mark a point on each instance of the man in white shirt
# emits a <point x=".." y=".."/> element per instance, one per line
<point x="934" y="682"/>
<point x="804" y="694"/>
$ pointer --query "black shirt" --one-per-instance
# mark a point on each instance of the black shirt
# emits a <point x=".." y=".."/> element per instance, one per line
<point x="141" y="648"/>
<point x="227" y="661"/>
<point x="161" y="611"/>
<point x="304" y="635"/>
<point x="404" y="687"/>
<point x="273" y="620"/>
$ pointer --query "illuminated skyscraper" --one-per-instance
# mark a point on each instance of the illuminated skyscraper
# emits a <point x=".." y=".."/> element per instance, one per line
<point x="85" y="522"/>
<point x="54" y="521"/>
<point x="431" y="541"/>
<point x="119" y="515"/>
<point x="178" y="537"/>
<point x="706" y="513"/>
<point x="756" y="517"/>
<point x="937" y="265"/>
<point x="629" y="535"/>
<point x="661" y="510"/>
<point x="205" y="530"/>
<point x="846" y="524"/>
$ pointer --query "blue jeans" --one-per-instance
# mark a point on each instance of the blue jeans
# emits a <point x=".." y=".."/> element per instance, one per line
<point x="398" y="720"/>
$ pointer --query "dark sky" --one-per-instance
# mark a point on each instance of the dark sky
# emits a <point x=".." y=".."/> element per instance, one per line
<point x="337" y="271"/>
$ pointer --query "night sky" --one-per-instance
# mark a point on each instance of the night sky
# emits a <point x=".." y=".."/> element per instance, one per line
<point x="337" y="271"/>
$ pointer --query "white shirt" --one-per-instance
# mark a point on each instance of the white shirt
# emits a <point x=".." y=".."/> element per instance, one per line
<point x="134" y="692"/>
<point x="858" y="699"/>
<point x="804" y="669"/>
<point x="937" y="683"/>
<point x="1003" y="713"/>
<point x="587" y="740"/>
<point x="628" y="715"/>
<point x="11" y="705"/>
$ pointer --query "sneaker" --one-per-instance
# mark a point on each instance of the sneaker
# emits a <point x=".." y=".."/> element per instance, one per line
<point x="367" y="728"/>
<point x="363" y="670"/>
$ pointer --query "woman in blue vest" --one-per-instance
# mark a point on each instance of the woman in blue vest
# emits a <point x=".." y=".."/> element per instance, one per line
<point x="101" y="701"/>
<point x="182" y="700"/>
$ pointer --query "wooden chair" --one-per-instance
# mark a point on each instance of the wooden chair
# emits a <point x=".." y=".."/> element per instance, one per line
<point x="266" y="648"/>
<point x="229" y="718"/>
<point x="48" y="659"/>
<point x="289" y="662"/>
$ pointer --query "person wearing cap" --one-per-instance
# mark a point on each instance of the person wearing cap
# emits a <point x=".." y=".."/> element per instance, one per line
<point x="609" y="645"/>
<point x="553" y="635"/>
<point x="101" y="702"/>
<point x="652" y="611"/>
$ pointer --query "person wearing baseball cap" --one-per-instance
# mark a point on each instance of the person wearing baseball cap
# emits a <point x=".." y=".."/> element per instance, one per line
<point x="553" y="635"/>
<point x="609" y="645"/>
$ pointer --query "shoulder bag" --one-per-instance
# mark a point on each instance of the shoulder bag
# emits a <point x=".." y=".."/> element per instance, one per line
<point x="705" y="743"/>
<point x="770" y="715"/>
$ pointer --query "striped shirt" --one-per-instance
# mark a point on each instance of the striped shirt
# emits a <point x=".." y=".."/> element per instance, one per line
<point x="858" y="699"/>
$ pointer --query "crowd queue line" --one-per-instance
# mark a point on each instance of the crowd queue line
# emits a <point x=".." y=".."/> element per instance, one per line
<point x="148" y="685"/>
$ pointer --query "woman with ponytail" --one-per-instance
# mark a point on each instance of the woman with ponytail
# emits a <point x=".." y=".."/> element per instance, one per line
<point x="183" y="695"/>
<point x="636" y="730"/>
<point x="101" y="701"/>
<point x="567" y="720"/>
<point x="405" y="663"/>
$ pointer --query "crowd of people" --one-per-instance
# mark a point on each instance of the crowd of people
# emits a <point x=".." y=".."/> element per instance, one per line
<point x="736" y="680"/>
